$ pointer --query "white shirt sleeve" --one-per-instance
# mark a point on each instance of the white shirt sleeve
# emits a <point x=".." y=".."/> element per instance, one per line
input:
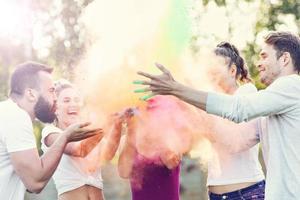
<point x="48" y="129"/>
<point x="276" y="99"/>
<point x="19" y="135"/>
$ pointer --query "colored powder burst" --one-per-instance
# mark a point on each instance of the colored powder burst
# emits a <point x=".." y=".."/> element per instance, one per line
<point x="135" y="36"/>
<point x="130" y="39"/>
<point x="168" y="124"/>
<point x="176" y="29"/>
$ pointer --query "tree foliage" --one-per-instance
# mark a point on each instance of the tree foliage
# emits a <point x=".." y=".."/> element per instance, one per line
<point x="269" y="18"/>
<point x="55" y="22"/>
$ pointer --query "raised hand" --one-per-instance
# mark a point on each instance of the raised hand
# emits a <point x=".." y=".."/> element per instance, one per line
<point x="127" y="113"/>
<point x="123" y="116"/>
<point x="162" y="84"/>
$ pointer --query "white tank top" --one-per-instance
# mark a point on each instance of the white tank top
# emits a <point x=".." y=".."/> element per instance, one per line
<point x="231" y="168"/>
<point x="73" y="172"/>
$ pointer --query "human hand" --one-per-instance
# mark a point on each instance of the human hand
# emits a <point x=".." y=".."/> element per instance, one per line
<point x="162" y="84"/>
<point x="79" y="131"/>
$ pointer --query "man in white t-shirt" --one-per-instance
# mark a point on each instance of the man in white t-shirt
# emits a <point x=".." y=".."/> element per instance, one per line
<point x="279" y="68"/>
<point x="31" y="96"/>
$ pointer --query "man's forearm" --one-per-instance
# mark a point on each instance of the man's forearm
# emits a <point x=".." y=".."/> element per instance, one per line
<point x="51" y="159"/>
<point x="191" y="96"/>
<point x="34" y="171"/>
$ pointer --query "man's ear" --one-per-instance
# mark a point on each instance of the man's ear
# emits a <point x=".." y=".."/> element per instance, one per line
<point x="286" y="58"/>
<point x="31" y="94"/>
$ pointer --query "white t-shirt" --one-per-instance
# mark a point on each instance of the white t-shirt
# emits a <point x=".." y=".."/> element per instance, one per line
<point x="227" y="167"/>
<point x="16" y="134"/>
<point x="73" y="172"/>
<point x="279" y="131"/>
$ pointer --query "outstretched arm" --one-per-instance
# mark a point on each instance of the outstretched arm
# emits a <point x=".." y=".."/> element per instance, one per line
<point x="77" y="149"/>
<point x="112" y="139"/>
<point x="126" y="159"/>
<point x="128" y="150"/>
<point x="34" y="171"/>
<point x="235" y="108"/>
<point x="165" y="84"/>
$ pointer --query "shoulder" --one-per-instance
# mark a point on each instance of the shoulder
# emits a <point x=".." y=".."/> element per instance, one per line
<point x="13" y="116"/>
<point x="10" y="108"/>
<point x="246" y="88"/>
<point x="17" y="127"/>
<point x="285" y="82"/>
<point x="50" y="128"/>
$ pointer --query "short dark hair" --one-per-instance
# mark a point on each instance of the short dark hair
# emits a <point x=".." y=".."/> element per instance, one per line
<point x="26" y="75"/>
<point x="228" y="50"/>
<point x="285" y="42"/>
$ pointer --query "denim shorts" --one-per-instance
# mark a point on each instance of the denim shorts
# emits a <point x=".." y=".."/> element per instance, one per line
<point x="253" y="192"/>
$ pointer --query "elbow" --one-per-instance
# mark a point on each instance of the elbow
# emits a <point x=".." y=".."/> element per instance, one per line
<point x="124" y="173"/>
<point x="237" y="118"/>
<point x="108" y="157"/>
<point x="82" y="154"/>
<point x="238" y="147"/>
<point x="36" y="187"/>
<point x="37" y="190"/>
<point x="76" y="151"/>
<point x="239" y="115"/>
<point x="234" y="150"/>
<point x="125" y="167"/>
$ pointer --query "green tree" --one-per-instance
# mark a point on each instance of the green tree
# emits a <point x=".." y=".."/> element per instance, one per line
<point x="55" y="37"/>
<point x="269" y="19"/>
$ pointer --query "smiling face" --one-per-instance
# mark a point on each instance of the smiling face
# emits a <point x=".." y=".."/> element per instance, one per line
<point x="69" y="104"/>
<point x="269" y="66"/>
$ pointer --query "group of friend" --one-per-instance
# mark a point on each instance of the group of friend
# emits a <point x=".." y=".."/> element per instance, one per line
<point x="270" y="117"/>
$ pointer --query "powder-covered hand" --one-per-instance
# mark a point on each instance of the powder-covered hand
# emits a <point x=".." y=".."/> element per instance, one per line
<point x="163" y="84"/>
<point x="79" y="131"/>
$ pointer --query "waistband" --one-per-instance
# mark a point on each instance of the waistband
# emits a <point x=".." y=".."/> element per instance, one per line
<point x="238" y="192"/>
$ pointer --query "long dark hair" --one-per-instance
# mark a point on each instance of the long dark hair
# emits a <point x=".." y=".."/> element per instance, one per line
<point x="228" y="50"/>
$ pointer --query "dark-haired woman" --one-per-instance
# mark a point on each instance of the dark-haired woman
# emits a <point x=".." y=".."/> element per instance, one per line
<point x="233" y="175"/>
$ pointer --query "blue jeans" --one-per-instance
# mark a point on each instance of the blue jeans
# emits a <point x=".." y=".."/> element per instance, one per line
<point x="253" y="192"/>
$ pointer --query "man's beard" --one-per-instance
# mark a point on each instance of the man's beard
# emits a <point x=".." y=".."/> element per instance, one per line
<point x="44" y="111"/>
